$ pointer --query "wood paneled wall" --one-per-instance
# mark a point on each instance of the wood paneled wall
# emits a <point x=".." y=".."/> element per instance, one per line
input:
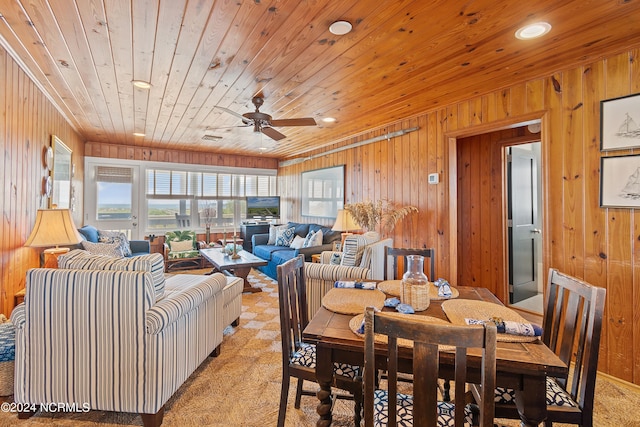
<point x="115" y="151"/>
<point x="601" y="246"/>
<point x="27" y="121"/>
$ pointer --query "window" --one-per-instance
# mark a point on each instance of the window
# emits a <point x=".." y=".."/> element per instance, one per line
<point x="114" y="188"/>
<point x="214" y="199"/>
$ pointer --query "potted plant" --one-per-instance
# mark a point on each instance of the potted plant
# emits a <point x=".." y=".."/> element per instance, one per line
<point x="384" y="213"/>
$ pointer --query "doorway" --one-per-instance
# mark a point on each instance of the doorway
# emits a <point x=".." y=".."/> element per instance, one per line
<point x="524" y="226"/>
<point x="481" y="218"/>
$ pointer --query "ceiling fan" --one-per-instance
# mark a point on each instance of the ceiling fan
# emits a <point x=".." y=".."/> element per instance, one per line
<point x="262" y="122"/>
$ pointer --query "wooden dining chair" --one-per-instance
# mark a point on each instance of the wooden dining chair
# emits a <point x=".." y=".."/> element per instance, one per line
<point x="572" y="323"/>
<point x="422" y="408"/>
<point x="183" y="221"/>
<point x="298" y="358"/>
<point x="396" y="253"/>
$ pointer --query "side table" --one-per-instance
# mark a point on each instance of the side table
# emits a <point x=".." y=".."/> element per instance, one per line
<point x="18" y="297"/>
<point x="315" y="258"/>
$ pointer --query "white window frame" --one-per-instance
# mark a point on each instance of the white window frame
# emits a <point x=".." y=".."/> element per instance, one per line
<point x="140" y="183"/>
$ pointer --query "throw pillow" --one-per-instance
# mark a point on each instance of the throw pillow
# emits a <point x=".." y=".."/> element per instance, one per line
<point x="184" y="245"/>
<point x="285" y="237"/>
<point x="336" y="258"/>
<point x="115" y="236"/>
<point x="298" y="242"/>
<point x="310" y="235"/>
<point x="273" y="231"/>
<point x="314" y="240"/>
<point x="106" y="249"/>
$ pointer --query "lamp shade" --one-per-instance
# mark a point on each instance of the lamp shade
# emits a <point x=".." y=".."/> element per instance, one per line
<point x="53" y="227"/>
<point x="344" y="222"/>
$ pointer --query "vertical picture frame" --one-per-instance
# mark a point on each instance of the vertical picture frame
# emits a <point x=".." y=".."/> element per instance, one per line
<point x="620" y="123"/>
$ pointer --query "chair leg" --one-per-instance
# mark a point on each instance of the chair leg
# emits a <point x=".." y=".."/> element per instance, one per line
<point x="216" y="351"/>
<point x="298" y="393"/>
<point x="357" y="408"/>
<point x="284" y="393"/>
<point x="153" y="420"/>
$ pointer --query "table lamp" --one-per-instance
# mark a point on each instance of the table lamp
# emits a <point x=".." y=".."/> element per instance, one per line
<point x="53" y="227"/>
<point x="345" y="223"/>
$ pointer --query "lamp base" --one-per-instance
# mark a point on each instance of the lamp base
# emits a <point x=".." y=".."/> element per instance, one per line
<point x="51" y="256"/>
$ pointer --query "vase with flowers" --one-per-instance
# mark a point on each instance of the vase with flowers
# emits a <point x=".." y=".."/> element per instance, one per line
<point x="208" y="214"/>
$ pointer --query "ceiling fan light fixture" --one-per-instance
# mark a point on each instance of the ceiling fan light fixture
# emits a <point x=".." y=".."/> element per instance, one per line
<point x="340" y="28"/>
<point x="532" y="31"/>
<point x="138" y="134"/>
<point x="141" y="84"/>
<point x="329" y="119"/>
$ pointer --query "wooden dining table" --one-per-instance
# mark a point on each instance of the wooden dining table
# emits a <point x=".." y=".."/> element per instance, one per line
<point x="522" y="366"/>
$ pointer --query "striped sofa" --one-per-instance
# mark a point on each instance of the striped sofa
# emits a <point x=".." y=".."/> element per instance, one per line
<point x="114" y="339"/>
<point x="363" y="259"/>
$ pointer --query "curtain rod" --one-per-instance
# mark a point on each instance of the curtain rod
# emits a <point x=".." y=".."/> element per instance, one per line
<point x="346" y="147"/>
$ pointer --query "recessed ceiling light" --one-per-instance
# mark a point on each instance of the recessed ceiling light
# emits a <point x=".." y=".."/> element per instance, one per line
<point x="138" y="134"/>
<point x="533" y="31"/>
<point x="141" y="84"/>
<point x="329" y="119"/>
<point x="340" y="28"/>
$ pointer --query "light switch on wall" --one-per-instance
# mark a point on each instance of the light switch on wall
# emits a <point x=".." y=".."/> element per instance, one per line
<point x="434" y="178"/>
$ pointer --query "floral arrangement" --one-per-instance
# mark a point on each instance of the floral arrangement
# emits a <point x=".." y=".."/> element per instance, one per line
<point x="369" y="215"/>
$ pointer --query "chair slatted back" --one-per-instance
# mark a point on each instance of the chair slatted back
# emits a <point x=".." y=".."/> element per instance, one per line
<point x="183" y="221"/>
<point x="572" y="327"/>
<point x="426" y="363"/>
<point x="293" y="305"/>
<point x="397" y="253"/>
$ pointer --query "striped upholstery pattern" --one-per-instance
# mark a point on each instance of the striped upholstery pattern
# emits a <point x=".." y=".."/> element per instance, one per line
<point x="83" y="260"/>
<point x="354" y="247"/>
<point x="321" y="277"/>
<point x="81" y="336"/>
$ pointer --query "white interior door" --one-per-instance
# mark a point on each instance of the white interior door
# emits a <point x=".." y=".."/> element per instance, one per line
<point x="111" y="197"/>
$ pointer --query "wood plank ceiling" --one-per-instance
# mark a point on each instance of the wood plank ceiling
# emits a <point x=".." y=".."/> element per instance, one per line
<point x="402" y="58"/>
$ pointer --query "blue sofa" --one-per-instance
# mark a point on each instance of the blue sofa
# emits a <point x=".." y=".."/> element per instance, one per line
<point x="276" y="255"/>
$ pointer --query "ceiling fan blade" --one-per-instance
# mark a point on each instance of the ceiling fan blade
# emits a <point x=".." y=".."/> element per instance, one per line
<point x="272" y="133"/>
<point x="238" y="115"/>
<point x="306" y="121"/>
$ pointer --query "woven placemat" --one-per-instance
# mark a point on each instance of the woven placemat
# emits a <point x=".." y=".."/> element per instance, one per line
<point x="352" y="301"/>
<point x="356" y="321"/>
<point x="459" y="309"/>
<point x="392" y="287"/>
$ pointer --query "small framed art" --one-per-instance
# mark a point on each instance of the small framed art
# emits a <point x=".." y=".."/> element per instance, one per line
<point x="620" y="123"/>
<point x="620" y="181"/>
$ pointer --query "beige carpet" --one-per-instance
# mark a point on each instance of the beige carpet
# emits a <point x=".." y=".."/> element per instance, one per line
<point x="241" y="387"/>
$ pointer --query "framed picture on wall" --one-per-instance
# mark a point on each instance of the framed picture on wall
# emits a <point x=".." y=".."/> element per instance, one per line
<point x="620" y="123"/>
<point x="620" y="181"/>
<point x="323" y="192"/>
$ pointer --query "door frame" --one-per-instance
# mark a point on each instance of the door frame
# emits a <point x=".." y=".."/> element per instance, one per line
<point x="451" y="141"/>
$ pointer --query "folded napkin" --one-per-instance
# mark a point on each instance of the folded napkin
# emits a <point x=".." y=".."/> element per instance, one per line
<point x="360" y="330"/>
<point x="444" y="289"/>
<point x="391" y="302"/>
<point x="354" y="285"/>
<point x="509" y="327"/>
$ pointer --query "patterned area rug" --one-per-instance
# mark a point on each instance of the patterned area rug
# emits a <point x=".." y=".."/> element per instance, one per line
<point x="241" y="387"/>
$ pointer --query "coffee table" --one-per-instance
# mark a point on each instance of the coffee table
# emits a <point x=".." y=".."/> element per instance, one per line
<point x="239" y="267"/>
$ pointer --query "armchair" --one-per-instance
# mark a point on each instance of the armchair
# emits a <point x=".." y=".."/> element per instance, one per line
<point x="363" y="259"/>
<point x="182" y="250"/>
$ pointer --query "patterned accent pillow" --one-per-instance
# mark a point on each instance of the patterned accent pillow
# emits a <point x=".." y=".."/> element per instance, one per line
<point x="115" y="236"/>
<point x="314" y="240"/>
<point x="273" y="232"/>
<point x="112" y="250"/>
<point x="336" y="258"/>
<point x="285" y="237"/>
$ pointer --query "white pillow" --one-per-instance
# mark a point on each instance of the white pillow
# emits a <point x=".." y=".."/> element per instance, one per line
<point x="314" y="240"/>
<point x="297" y="243"/>
<point x="181" y="246"/>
